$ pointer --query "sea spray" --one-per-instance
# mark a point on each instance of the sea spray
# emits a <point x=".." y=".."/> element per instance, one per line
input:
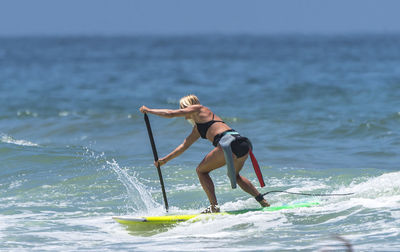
<point x="138" y="197"/>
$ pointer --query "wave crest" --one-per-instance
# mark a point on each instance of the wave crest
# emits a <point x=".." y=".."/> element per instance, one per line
<point x="8" y="139"/>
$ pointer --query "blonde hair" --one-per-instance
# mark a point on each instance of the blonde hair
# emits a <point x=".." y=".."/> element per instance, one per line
<point x="188" y="100"/>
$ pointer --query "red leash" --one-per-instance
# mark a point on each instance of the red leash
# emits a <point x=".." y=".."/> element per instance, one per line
<point x="257" y="168"/>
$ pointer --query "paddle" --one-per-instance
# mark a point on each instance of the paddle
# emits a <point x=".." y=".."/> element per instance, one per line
<point x="153" y="146"/>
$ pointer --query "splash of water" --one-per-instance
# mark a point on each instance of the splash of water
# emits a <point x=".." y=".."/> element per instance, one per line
<point x="138" y="195"/>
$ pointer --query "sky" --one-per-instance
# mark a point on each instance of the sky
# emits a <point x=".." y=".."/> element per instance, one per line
<point x="133" y="17"/>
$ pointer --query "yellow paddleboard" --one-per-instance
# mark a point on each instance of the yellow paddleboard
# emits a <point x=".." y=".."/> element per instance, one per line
<point x="173" y="219"/>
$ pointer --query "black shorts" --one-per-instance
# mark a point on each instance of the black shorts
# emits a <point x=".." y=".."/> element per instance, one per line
<point x="240" y="146"/>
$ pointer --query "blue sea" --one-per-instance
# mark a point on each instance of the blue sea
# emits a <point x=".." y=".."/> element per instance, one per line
<point x="322" y="112"/>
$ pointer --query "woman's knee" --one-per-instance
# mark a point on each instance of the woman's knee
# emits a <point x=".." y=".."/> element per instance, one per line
<point x="198" y="170"/>
<point x="201" y="169"/>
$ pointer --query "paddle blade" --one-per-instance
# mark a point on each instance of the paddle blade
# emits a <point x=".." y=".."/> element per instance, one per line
<point x="257" y="169"/>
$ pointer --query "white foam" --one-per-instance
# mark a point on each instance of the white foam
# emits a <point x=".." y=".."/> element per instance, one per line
<point x="27" y="112"/>
<point x="63" y="113"/>
<point x="16" y="183"/>
<point x="8" y="139"/>
<point x="88" y="232"/>
<point x="377" y="192"/>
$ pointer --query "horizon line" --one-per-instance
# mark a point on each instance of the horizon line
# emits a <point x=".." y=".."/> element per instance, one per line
<point x="200" y="34"/>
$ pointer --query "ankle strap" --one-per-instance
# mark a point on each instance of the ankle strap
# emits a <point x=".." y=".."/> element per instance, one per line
<point x="259" y="197"/>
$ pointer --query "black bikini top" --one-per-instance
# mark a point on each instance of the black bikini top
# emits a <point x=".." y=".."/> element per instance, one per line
<point x="203" y="127"/>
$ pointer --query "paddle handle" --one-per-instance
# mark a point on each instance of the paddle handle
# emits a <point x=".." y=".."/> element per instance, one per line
<point x="153" y="147"/>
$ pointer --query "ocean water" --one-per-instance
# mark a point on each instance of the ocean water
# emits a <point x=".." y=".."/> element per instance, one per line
<point x="323" y="113"/>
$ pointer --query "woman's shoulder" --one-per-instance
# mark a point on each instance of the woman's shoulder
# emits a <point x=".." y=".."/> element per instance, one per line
<point x="204" y="109"/>
<point x="199" y="108"/>
<point x="193" y="108"/>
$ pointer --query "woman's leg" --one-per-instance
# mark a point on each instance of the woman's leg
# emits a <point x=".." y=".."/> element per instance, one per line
<point x="213" y="160"/>
<point x="244" y="183"/>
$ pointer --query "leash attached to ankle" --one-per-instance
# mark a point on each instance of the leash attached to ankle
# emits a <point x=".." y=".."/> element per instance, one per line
<point x="259" y="197"/>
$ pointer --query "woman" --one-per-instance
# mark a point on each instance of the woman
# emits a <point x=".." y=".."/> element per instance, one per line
<point x="209" y="126"/>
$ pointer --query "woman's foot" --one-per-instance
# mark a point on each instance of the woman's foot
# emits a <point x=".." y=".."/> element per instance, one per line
<point x="261" y="200"/>
<point x="211" y="209"/>
<point x="264" y="203"/>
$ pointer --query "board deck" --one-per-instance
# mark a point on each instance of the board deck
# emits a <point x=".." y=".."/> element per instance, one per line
<point x="174" y="219"/>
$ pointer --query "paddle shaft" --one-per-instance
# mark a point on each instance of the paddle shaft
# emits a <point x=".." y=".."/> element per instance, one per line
<point x="153" y="146"/>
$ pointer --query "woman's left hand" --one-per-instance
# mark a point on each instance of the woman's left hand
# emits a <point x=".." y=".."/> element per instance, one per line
<point x="160" y="162"/>
<point x="144" y="109"/>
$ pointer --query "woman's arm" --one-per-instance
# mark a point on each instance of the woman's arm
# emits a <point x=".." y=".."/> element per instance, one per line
<point x="169" y="113"/>
<point x="181" y="148"/>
